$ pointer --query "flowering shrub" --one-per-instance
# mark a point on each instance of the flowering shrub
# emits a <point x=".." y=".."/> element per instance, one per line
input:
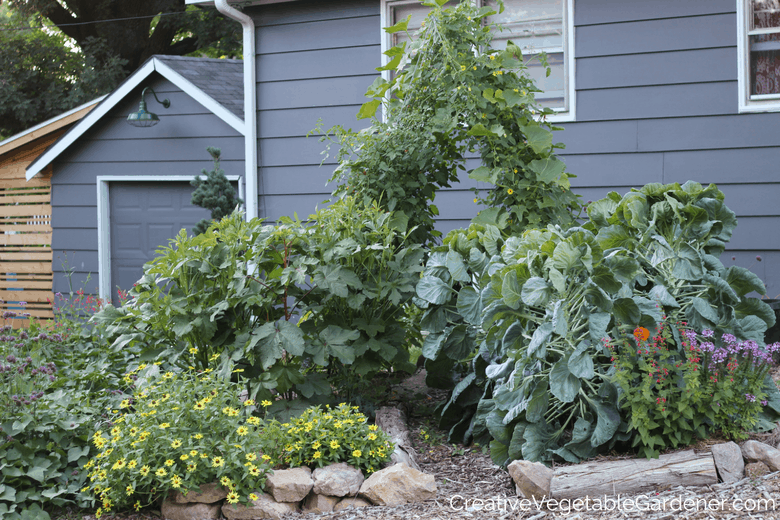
<point x="320" y="437"/>
<point x="178" y="431"/>
<point x="677" y="384"/>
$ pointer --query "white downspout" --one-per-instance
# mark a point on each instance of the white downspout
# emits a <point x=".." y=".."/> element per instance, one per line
<point x="250" y="106"/>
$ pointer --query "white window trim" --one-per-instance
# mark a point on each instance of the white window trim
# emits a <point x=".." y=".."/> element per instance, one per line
<point x="104" y="219"/>
<point x="385" y="18"/>
<point x="748" y="103"/>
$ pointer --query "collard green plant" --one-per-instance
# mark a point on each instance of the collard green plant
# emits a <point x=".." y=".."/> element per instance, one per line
<point x="295" y="306"/>
<point x="453" y="95"/>
<point x="555" y="294"/>
<point x="214" y="193"/>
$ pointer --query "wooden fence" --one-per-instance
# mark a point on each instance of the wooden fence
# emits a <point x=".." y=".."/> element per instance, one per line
<point x="25" y="235"/>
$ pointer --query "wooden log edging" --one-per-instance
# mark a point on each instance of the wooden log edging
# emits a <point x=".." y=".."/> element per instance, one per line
<point x="617" y="477"/>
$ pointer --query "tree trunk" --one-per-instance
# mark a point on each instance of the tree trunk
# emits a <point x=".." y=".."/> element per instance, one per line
<point x="596" y="479"/>
<point x="392" y="421"/>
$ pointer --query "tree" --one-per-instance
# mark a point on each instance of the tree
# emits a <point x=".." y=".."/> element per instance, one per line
<point x="213" y="193"/>
<point x="134" y="31"/>
<point x="40" y="77"/>
<point x="46" y="71"/>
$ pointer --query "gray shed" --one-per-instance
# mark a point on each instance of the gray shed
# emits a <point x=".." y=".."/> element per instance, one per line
<point x="118" y="191"/>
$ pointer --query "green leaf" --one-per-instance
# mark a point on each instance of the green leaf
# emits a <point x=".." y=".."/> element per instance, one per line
<point x="563" y="384"/>
<point x="400" y="26"/>
<point x="434" y="290"/>
<point x="337" y="341"/>
<point x="499" y="453"/>
<point x="536" y="292"/>
<point x="751" y="328"/>
<point x="7" y="493"/>
<point x="368" y="109"/>
<point x="744" y="281"/>
<point x="626" y="311"/>
<point x="470" y="305"/>
<point x="457" y="267"/>
<point x="580" y="363"/>
<point x="705" y="310"/>
<point x="597" y="324"/>
<point x="547" y="170"/>
<point x="538" y="439"/>
<point x="660" y="294"/>
<point x="539" y="139"/>
<point x="479" y="130"/>
<point x="315" y="384"/>
<point x="755" y="307"/>
<point x="510" y="289"/>
<point x="498" y="430"/>
<point x="537" y="406"/>
<point x="540" y="336"/>
<point x="607" y="424"/>
<point x="515" y="451"/>
<point x="392" y="64"/>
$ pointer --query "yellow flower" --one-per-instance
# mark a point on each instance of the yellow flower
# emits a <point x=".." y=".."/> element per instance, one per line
<point x="164" y="425"/>
<point x="184" y="457"/>
<point x="161" y="472"/>
<point x="317" y="455"/>
<point x="492" y="57"/>
<point x="265" y="403"/>
<point x="252" y="496"/>
<point x="168" y="375"/>
<point x="119" y="464"/>
<point x="251" y="456"/>
<point x="515" y="170"/>
<point x="373" y="427"/>
<point x="357" y="453"/>
<point x="169" y="463"/>
<point x="225" y="481"/>
<point x="192" y="467"/>
<point x="141" y="366"/>
<point x="462" y="67"/>
<point x="510" y="191"/>
<point x="255" y="471"/>
<point x="144" y="471"/>
<point x="217" y="462"/>
<point x="176" y="481"/>
<point x="372" y="436"/>
<point x="193" y="350"/>
<point x="254" y="421"/>
<point x="175" y="444"/>
<point x="232" y="497"/>
<point x="266" y="458"/>
<point x="199" y="406"/>
<point x="475" y="68"/>
<point x="242" y="430"/>
<point x="198" y="436"/>
<point x="124" y="404"/>
<point x="193" y="453"/>
<point x="249" y="402"/>
<point x="132" y="464"/>
<point x="316" y="445"/>
<point x="334" y="445"/>
<point x="475" y="200"/>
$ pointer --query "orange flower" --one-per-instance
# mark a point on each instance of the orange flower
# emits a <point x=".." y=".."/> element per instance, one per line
<point x="641" y="334"/>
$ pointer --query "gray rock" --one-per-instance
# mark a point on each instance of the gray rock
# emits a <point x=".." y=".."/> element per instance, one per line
<point x="756" y="469"/>
<point x="208" y="494"/>
<point x="728" y="461"/>
<point x="196" y="511"/>
<point x="264" y="507"/>
<point x="352" y="502"/>
<point x="315" y="503"/>
<point x="754" y="451"/>
<point x="532" y="479"/>
<point x="398" y="485"/>
<point x="337" y="480"/>
<point x="289" y="485"/>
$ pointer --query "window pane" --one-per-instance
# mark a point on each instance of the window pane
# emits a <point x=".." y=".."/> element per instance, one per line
<point x="765" y="64"/>
<point x="765" y="14"/>
<point x="534" y="25"/>
<point x="554" y="85"/>
<point x="400" y="12"/>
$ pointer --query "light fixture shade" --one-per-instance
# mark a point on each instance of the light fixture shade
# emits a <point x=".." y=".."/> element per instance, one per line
<point x="143" y="119"/>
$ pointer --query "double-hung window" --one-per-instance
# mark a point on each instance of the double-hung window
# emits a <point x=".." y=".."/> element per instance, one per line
<point x="758" y="31"/>
<point x="535" y="26"/>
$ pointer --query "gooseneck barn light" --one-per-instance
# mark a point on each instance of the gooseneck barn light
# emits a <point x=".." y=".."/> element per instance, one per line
<point x="142" y="118"/>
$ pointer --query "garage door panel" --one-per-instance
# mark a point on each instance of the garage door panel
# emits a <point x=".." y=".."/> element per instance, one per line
<point x="144" y="217"/>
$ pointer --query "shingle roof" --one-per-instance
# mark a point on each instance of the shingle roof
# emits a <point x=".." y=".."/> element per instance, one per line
<point x="223" y="80"/>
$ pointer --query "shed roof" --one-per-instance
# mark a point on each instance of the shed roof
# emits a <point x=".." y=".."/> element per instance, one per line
<point x="211" y="82"/>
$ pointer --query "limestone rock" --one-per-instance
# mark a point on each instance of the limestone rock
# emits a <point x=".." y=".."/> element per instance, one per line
<point x="398" y="485"/>
<point x="756" y="469"/>
<point x="172" y="511"/>
<point x="208" y="494"/>
<point x="532" y="479"/>
<point x="728" y="461"/>
<point x="315" y="503"/>
<point x="289" y="485"/>
<point x="264" y="507"/>
<point x="337" y="480"/>
<point x="754" y="451"/>
<point x="351" y="502"/>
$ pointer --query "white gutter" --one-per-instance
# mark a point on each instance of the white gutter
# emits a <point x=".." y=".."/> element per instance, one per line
<point x="250" y="106"/>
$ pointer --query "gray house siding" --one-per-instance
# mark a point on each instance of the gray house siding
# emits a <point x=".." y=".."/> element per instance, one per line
<point x="656" y="87"/>
<point x="175" y="146"/>
<point x="657" y="101"/>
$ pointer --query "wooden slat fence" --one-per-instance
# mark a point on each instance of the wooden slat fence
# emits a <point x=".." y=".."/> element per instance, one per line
<point x="25" y="236"/>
